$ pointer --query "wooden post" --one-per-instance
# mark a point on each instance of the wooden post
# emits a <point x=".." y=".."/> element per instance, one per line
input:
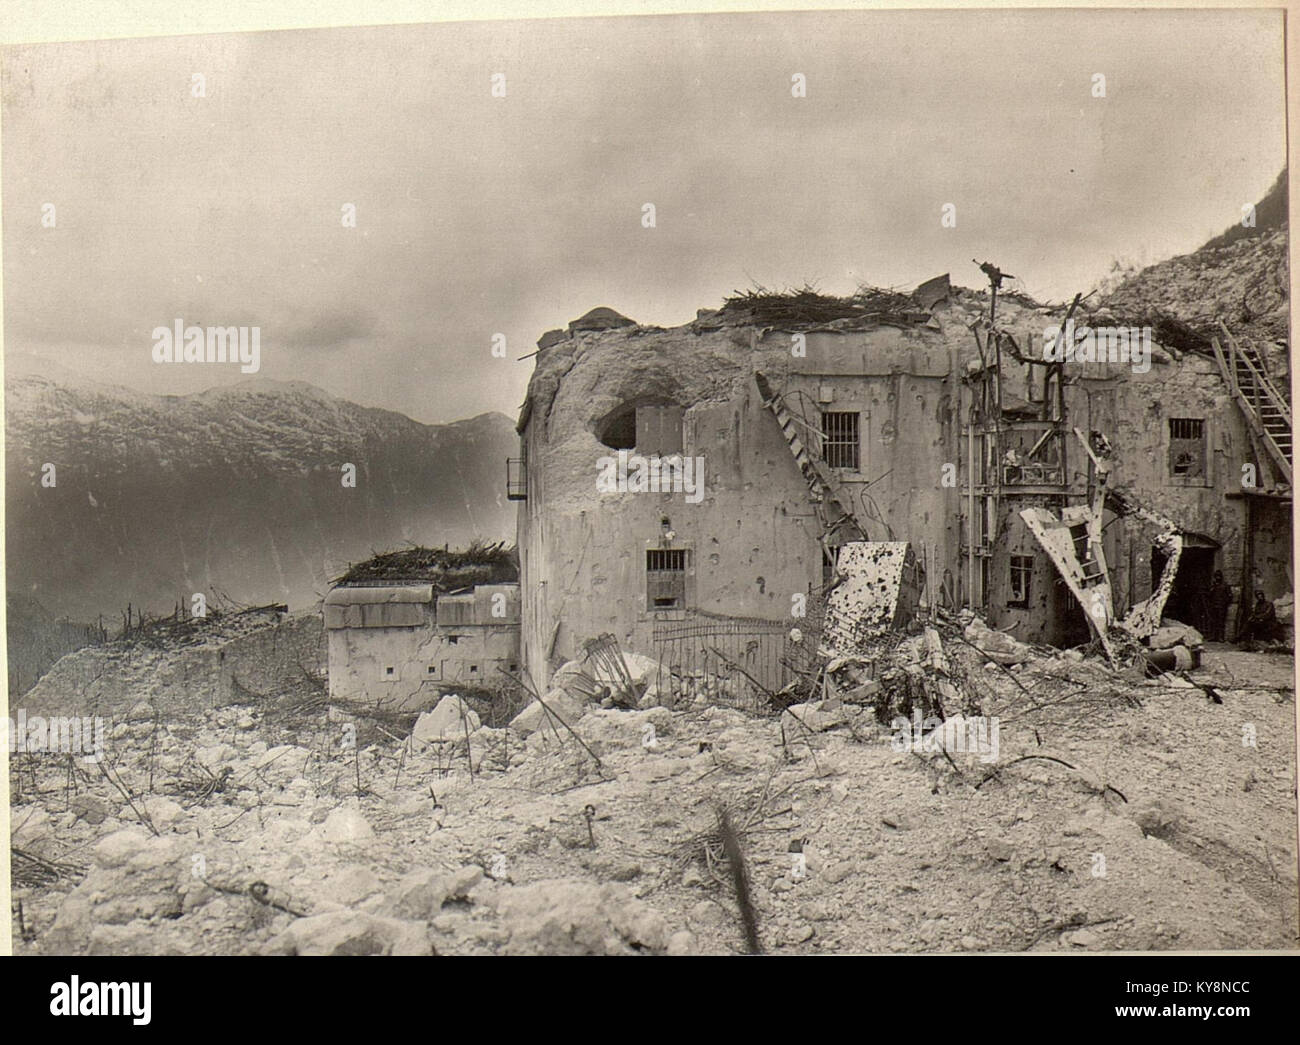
<point x="970" y="515"/>
<point x="1247" y="570"/>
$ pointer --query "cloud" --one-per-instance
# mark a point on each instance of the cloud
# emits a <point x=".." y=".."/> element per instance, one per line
<point x="327" y="330"/>
<point x="477" y="215"/>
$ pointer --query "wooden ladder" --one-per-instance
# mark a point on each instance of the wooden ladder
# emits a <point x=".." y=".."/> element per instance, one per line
<point x="823" y="487"/>
<point x="1266" y="409"/>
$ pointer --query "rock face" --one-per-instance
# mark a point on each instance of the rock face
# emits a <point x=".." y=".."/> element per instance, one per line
<point x="1240" y="276"/>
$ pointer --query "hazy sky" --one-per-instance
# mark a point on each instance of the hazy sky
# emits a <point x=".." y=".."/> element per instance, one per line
<point x="478" y="215"/>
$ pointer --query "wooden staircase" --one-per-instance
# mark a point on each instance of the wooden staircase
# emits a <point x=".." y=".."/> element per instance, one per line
<point x="826" y="491"/>
<point x="1266" y="409"/>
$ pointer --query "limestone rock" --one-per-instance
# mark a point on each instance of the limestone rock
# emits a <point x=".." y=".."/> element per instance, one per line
<point x="642" y="670"/>
<point x="574" y="678"/>
<point x="682" y="943"/>
<point x="450" y="720"/>
<point x="1001" y="850"/>
<point x="568" y="916"/>
<point x="346" y="825"/>
<point x="351" y="932"/>
<point x="998" y="646"/>
<point x="813" y="716"/>
<point x="91" y="808"/>
<point x="1172" y="633"/>
<point x="350" y="884"/>
<point x="535" y="717"/>
<point x="422" y="893"/>
<point x="163" y="811"/>
<point x="31" y="827"/>
<point x="116" y="849"/>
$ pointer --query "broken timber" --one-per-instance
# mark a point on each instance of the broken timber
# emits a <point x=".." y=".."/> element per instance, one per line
<point x="1073" y="543"/>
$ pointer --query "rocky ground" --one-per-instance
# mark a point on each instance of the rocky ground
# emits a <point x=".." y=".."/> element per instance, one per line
<point x="1118" y="815"/>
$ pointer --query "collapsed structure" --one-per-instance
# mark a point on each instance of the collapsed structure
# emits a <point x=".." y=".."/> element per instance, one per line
<point x="940" y="423"/>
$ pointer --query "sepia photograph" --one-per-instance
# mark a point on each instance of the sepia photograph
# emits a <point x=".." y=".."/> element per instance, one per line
<point x="768" y="482"/>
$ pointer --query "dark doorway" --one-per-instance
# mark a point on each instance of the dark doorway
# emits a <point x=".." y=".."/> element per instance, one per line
<point x="1195" y="572"/>
<point x="1072" y="625"/>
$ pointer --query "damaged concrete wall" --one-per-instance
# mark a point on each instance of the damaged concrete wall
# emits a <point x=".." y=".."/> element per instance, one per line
<point x="1137" y="407"/>
<point x="1270" y="531"/>
<point x="1133" y="411"/>
<point x="408" y="669"/>
<point x="1050" y="614"/>
<point x="207" y="671"/>
<point x="752" y="537"/>
<point x="457" y="644"/>
<point x="877" y="592"/>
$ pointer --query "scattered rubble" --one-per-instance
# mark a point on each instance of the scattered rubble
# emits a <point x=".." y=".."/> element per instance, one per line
<point x="586" y="827"/>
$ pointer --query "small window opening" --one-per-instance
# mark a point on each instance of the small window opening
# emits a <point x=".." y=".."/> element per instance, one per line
<point x="840" y="439"/>
<point x="1186" y="447"/>
<point x="619" y="432"/>
<point x="1022" y="569"/>
<point x="665" y="572"/>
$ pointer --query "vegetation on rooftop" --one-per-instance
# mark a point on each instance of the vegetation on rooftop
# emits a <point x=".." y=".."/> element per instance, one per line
<point x="807" y="305"/>
<point x="483" y="562"/>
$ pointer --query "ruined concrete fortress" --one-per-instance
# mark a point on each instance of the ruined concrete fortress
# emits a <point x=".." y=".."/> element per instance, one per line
<point x="935" y="418"/>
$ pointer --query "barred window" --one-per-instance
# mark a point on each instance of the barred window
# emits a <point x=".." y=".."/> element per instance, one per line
<point x="1022" y="568"/>
<point x="1186" y="447"/>
<point x="665" y="578"/>
<point x="840" y="439"/>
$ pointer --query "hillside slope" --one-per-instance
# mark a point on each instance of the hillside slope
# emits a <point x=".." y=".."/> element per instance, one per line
<point x="1240" y="276"/>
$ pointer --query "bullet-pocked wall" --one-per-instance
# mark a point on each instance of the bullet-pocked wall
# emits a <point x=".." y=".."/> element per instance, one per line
<point x="746" y="539"/>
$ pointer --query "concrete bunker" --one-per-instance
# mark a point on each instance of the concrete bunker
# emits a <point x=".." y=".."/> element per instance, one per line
<point x="406" y="628"/>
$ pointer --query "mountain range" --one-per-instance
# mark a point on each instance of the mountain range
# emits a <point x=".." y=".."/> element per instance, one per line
<point x="237" y="492"/>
